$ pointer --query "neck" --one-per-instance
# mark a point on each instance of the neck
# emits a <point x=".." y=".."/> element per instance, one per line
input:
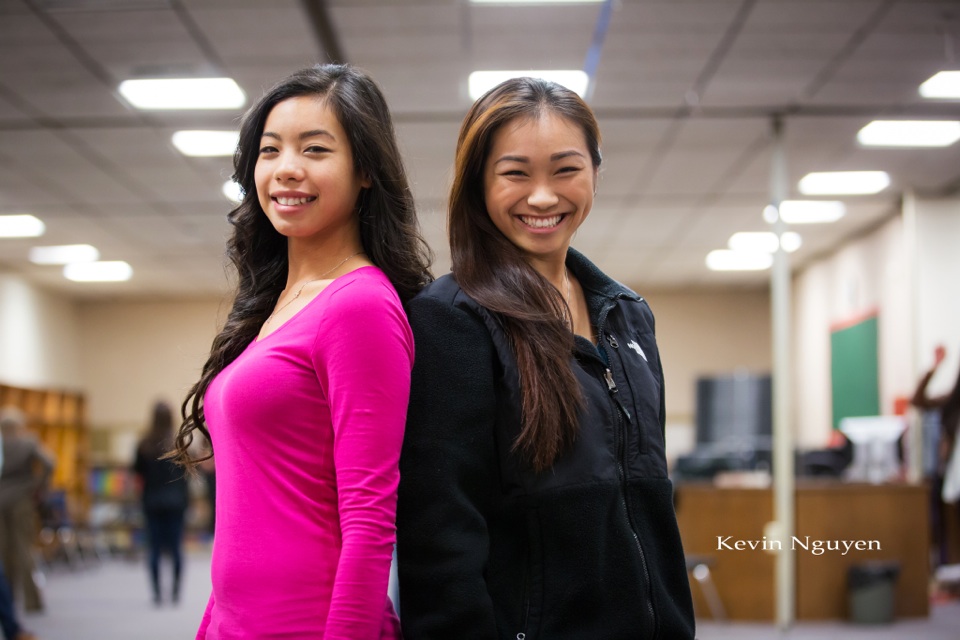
<point x="309" y="262"/>
<point x="553" y="270"/>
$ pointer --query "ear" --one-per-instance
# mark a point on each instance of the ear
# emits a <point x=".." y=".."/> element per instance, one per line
<point x="365" y="180"/>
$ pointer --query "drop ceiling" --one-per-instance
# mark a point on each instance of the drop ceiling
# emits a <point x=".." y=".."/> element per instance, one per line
<point x="685" y="92"/>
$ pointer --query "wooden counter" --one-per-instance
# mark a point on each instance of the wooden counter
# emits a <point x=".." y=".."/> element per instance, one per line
<point x="893" y="517"/>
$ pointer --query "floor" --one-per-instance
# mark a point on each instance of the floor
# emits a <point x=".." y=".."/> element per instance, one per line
<point x="110" y="601"/>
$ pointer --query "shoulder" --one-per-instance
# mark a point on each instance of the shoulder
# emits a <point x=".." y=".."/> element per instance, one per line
<point x="443" y="313"/>
<point x="361" y="291"/>
<point x="444" y="298"/>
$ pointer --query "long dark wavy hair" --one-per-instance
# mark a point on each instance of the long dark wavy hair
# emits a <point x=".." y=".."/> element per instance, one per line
<point x="493" y="271"/>
<point x="389" y="231"/>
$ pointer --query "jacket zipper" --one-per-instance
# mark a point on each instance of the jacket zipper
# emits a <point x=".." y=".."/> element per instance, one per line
<point x="526" y="604"/>
<point x="620" y="439"/>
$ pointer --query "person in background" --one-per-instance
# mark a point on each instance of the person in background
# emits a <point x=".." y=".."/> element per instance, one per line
<point x="940" y="419"/>
<point x="27" y="468"/>
<point x="208" y="472"/>
<point x="165" y="497"/>
<point x="304" y="395"/>
<point x="12" y="630"/>
<point x="534" y="500"/>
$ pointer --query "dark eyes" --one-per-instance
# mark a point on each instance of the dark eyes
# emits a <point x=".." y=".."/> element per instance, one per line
<point x="518" y="172"/>
<point x="314" y="148"/>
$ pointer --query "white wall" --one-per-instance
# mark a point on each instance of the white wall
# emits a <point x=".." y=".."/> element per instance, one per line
<point x="938" y="288"/>
<point x="39" y="345"/>
<point x="908" y="271"/>
<point x="134" y="353"/>
<point x="705" y="333"/>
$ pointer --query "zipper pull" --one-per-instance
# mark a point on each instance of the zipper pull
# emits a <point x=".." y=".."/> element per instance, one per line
<point x="611" y="385"/>
<point x="613" y="341"/>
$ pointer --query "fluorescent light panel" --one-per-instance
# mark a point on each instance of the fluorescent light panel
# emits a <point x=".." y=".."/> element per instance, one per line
<point x="482" y="81"/>
<point x="910" y="133"/>
<point x="811" y="211"/>
<point x="833" y="183"/>
<point x="727" y="260"/>
<point x="105" y="271"/>
<point x="206" y="144"/>
<point x="64" y="254"/>
<point x="944" y="85"/>
<point x="183" y="93"/>
<point x="21" y="225"/>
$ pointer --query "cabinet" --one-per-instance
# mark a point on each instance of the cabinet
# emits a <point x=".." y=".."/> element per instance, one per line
<point x="57" y="418"/>
<point x="895" y="516"/>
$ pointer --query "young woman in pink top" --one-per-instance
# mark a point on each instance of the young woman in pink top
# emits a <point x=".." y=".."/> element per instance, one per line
<point x="304" y="395"/>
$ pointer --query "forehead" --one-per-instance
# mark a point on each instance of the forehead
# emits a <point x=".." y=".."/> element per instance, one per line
<point x="303" y="113"/>
<point x="547" y="132"/>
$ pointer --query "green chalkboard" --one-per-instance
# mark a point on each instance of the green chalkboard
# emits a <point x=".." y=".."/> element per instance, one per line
<point x="853" y="370"/>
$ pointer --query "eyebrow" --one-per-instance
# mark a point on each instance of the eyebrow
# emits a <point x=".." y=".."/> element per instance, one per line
<point x="553" y="158"/>
<point x="303" y="136"/>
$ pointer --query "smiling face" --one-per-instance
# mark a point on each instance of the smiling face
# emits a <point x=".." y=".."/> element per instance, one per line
<point x="305" y="178"/>
<point x="538" y="184"/>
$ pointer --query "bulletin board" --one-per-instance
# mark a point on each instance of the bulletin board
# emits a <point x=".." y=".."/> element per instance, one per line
<point x="854" y="369"/>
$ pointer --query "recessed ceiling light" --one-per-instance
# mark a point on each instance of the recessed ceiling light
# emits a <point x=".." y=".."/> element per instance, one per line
<point x="945" y="84"/>
<point x="105" y="271"/>
<point x="833" y="183"/>
<point x="750" y="241"/>
<point x="232" y="191"/>
<point x="790" y="241"/>
<point x="64" y="254"/>
<point x="482" y="81"/>
<point x="183" y="93"/>
<point x="763" y="241"/>
<point x="206" y="144"/>
<point x="811" y="211"/>
<point x="727" y="260"/>
<point x="21" y="225"/>
<point x="910" y="133"/>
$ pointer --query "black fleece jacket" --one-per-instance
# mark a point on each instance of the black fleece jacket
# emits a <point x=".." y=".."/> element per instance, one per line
<point x="490" y="549"/>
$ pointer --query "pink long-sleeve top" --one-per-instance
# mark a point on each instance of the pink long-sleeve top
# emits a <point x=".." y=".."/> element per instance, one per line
<point x="307" y="425"/>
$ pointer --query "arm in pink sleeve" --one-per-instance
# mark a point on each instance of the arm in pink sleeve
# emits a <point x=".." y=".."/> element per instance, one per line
<point x="364" y="359"/>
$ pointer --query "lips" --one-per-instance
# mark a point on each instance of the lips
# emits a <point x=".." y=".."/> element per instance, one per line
<point x="539" y="222"/>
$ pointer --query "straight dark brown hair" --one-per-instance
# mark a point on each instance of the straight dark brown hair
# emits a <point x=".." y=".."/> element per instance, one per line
<point x="493" y="271"/>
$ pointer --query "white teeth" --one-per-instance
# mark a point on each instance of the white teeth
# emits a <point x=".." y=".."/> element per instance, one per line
<point x="541" y="223"/>
<point x="292" y="201"/>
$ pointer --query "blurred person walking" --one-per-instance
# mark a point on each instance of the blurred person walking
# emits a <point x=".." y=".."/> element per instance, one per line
<point x="27" y="467"/>
<point x="165" y="498"/>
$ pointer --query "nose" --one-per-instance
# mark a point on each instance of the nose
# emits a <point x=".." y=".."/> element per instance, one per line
<point x="542" y="196"/>
<point x="289" y="168"/>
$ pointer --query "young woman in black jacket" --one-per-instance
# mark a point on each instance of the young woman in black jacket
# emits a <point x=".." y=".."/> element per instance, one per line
<point x="534" y="501"/>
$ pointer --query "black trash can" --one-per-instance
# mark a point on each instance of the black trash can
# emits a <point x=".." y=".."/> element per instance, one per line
<point x="871" y="587"/>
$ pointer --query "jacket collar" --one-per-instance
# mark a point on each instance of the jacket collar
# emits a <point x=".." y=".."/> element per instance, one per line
<point x="596" y="282"/>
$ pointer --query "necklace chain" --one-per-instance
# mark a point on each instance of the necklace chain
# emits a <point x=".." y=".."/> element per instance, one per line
<point x="317" y="279"/>
<point x="566" y="282"/>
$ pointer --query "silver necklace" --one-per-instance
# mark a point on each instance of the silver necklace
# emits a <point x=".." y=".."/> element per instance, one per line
<point x="300" y="290"/>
